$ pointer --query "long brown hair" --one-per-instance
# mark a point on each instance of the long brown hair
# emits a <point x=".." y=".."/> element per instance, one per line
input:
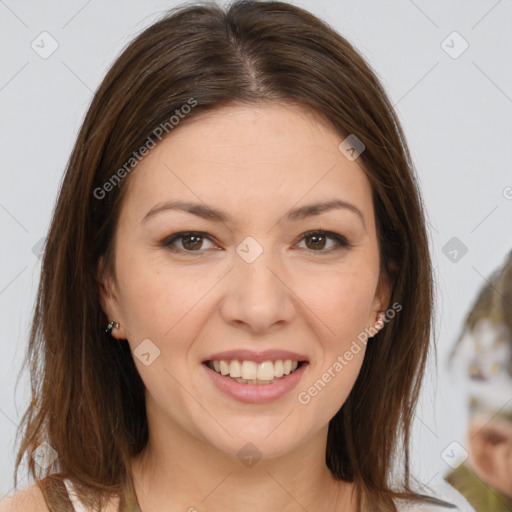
<point x="87" y="397"/>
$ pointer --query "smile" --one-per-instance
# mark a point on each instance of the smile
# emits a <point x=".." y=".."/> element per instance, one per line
<point x="251" y="372"/>
<point x="258" y="382"/>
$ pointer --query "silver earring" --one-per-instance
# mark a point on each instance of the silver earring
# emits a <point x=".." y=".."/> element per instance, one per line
<point x="111" y="326"/>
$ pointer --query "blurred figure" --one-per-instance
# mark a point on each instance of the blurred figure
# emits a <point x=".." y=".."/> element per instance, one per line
<point x="482" y="357"/>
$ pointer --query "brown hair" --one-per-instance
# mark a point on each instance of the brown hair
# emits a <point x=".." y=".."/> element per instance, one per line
<point x="88" y="399"/>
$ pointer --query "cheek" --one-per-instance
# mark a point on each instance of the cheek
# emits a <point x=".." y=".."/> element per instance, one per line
<point x="157" y="296"/>
<point x="329" y="384"/>
<point x="341" y="301"/>
<point x="341" y="304"/>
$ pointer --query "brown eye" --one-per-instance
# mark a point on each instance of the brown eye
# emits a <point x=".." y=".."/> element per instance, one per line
<point x="316" y="241"/>
<point x="190" y="242"/>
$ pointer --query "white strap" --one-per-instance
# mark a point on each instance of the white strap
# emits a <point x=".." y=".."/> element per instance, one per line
<point x="77" y="504"/>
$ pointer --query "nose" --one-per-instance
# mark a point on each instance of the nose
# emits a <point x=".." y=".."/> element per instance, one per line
<point x="258" y="295"/>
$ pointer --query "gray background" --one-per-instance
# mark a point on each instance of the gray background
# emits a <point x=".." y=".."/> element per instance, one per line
<point x="455" y="111"/>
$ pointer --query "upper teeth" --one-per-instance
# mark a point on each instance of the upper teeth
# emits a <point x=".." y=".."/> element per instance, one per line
<point x="250" y="370"/>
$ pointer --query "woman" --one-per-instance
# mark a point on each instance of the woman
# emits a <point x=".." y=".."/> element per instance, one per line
<point x="236" y="294"/>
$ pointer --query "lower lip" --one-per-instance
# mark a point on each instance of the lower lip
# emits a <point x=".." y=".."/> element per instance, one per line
<point x="256" y="393"/>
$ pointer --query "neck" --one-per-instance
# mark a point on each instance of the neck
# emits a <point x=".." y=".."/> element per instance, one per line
<point x="178" y="471"/>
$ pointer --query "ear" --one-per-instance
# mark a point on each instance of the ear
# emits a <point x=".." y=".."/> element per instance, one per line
<point x="109" y="300"/>
<point x="381" y="299"/>
<point x="490" y="453"/>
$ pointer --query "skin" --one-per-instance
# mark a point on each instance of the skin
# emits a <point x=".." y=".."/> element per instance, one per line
<point x="256" y="163"/>
<point x="490" y="451"/>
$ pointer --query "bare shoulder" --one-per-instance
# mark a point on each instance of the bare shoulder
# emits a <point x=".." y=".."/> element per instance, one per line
<point x="30" y="499"/>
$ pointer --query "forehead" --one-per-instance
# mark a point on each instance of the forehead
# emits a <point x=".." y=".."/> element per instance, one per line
<point x="250" y="158"/>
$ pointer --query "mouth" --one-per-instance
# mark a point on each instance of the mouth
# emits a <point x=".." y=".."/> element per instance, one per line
<point x="255" y="373"/>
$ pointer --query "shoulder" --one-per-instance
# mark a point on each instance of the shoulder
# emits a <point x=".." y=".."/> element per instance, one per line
<point x="30" y="499"/>
<point x="427" y="507"/>
<point x="440" y="489"/>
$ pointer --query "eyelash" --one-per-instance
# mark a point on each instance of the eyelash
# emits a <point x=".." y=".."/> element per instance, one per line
<point x="340" y="240"/>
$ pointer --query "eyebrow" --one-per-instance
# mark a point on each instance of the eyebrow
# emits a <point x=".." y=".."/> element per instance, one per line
<point x="215" y="215"/>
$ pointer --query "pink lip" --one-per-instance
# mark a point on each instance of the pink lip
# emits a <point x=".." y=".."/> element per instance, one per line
<point x="256" y="393"/>
<point x="257" y="357"/>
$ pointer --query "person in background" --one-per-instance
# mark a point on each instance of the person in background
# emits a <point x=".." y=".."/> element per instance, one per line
<point x="483" y="358"/>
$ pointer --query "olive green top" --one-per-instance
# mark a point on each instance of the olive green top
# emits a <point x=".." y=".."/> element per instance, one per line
<point x="129" y="502"/>
<point x="58" y="499"/>
<point x="480" y="495"/>
<point x="55" y="491"/>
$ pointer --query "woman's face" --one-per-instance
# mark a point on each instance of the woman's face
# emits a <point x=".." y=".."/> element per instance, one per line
<point x="249" y="286"/>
